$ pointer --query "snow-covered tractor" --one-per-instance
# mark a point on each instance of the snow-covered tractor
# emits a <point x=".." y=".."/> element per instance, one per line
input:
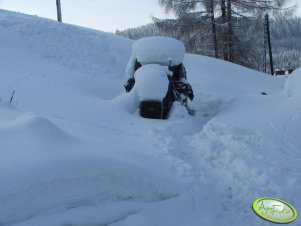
<point x="156" y="72"/>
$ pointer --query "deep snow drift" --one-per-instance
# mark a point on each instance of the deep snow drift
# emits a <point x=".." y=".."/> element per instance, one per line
<point x="74" y="151"/>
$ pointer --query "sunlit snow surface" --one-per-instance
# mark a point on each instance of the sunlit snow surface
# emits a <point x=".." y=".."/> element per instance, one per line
<point x="151" y="82"/>
<point x="159" y="50"/>
<point x="74" y="151"/>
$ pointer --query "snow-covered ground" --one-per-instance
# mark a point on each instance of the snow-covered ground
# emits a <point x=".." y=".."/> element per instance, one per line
<point x="73" y="150"/>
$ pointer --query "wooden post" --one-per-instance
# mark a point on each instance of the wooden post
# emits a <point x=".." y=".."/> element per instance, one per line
<point x="265" y="43"/>
<point x="59" y="12"/>
<point x="269" y="43"/>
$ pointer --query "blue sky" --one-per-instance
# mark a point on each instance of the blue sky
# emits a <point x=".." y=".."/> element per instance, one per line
<point x="105" y="15"/>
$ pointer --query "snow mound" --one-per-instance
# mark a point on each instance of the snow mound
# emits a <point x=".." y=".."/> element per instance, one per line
<point x="292" y="84"/>
<point x="61" y="185"/>
<point x="86" y="159"/>
<point x="218" y="77"/>
<point x="178" y="111"/>
<point x="31" y="138"/>
<point x="72" y="46"/>
<point x="7" y="112"/>
<point x="105" y="214"/>
<point x="245" y="164"/>
<point x="159" y="50"/>
<point x="28" y="126"/>
<point x="151" y="82"/>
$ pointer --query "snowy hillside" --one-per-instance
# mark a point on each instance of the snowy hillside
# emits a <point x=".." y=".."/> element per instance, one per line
<point x="74" y="151"/>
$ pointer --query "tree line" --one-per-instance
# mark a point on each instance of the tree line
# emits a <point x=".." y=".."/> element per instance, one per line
<point x="286" y="36"/>
<point x="228" y="29"/>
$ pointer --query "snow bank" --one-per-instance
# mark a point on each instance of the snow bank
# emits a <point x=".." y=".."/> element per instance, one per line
<point x="28" y="125"/>
<point x="71" y="181"/>
<point x="245" y="164"/>
<point x="72" y="46"/>
<point x="151" y="82"/>
<point x="292" y="84"/>
<point x="105" y="214"/>
<point x="178" y="111"/>
<point x="218" y="77"/>
<point x="70" y="154"/>
<point x="159" y="50"/>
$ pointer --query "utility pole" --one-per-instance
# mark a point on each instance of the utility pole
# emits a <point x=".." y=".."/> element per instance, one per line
<point x="59" y="11"/>
<point x="269" y="43"/>
<point x="265" y="43"/>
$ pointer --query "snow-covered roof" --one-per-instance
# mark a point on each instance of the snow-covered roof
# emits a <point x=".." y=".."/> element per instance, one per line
<point x="159" y="50"/>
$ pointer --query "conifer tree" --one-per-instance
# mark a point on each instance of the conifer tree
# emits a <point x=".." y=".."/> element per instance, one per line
<point x="218" y="27"/>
